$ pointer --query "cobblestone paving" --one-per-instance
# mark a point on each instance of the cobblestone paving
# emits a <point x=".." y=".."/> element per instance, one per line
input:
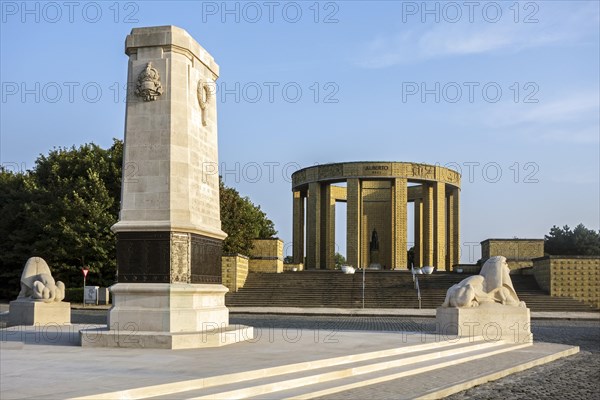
<point x="341" y="323"/>
<point x="575" y="377"/>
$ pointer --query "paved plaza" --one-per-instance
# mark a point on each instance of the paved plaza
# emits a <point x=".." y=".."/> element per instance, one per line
<point x="573" y="377"/>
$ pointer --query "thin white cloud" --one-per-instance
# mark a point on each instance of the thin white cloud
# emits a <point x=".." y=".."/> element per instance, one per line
<point x="570" y="108"/>
<point x="555" y="26"/>
<point x="571" y="119"/>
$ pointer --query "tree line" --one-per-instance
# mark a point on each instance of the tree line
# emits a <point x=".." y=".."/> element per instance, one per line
<point x="63" y="208"/>
<point x="580" y="241"/>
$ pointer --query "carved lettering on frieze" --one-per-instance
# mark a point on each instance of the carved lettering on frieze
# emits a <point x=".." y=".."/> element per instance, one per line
<point x="376" y="169"/>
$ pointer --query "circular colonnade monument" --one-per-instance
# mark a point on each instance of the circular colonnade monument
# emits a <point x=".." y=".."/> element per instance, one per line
<point x="377" y="196"/>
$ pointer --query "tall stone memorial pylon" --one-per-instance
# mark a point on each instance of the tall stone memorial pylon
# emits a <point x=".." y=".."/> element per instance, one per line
<point x="169" y="292"/>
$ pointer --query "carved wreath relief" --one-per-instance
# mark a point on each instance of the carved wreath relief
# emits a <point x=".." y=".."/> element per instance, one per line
<point x="204" y="95"/>
<point x="148" y="85"/>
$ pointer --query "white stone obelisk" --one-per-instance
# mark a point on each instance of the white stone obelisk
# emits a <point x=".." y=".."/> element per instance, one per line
<point x="169" y="292"/>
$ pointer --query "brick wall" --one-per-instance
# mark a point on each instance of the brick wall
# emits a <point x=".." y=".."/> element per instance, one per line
<point x="266" y="256"/>
<point x="234" y="271"/>
<point x="577" y="277"/>
<point x="519" y="253"/>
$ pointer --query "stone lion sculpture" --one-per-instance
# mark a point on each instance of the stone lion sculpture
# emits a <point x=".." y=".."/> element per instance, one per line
<point x="38" y="284"/>
<point x="492" y="285"/>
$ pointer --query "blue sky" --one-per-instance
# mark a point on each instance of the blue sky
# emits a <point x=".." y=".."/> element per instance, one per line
<point x="507" y="92"/>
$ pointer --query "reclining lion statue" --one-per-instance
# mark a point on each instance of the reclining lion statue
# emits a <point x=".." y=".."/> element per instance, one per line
<point x="492" y="285"/>
<point x="38" y="284"/>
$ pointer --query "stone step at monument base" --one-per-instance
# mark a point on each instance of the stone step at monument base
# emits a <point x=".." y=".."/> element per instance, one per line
<point x="457" y="364"/>
<point x="217" y="337"/>
<point x="167" y="316"/>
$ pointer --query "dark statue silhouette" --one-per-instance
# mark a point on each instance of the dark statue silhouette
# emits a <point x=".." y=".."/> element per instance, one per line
<point x="374" y="245"/>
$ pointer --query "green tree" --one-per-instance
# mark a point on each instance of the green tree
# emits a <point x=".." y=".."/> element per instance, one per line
<point x="62" y="211"/>
<point x="242" y="220"/>
<point x="16" y="237"/>
<point x="339" y="259"/>
<point x="80" y="188"/>
<point x="579" y="241"/>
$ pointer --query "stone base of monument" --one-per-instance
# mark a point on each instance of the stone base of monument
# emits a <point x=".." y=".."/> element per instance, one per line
<point x="167" y="316"/>
<point x="492" y="321"/>
<point x="30" y="312"/>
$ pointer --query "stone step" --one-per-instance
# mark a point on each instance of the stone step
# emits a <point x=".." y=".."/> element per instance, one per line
<point x="408" y="346"/>
<point x="419" y="360"/>
<point x="436" y="379"/>
<point x="307" y="363"/>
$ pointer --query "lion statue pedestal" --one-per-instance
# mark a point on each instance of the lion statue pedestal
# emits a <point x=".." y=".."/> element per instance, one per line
<point x="485" y="305"/>
<point x="40" y="300"/>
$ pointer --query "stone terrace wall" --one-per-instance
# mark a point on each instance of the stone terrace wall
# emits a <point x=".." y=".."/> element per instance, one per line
<point x="577" y="277"/>
<point x="234" y="271"/>
<point x="266" y="256"/>
<point x="518" y="252"/>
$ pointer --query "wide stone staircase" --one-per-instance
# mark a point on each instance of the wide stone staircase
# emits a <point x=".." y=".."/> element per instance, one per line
<point x="383" y="289"/>
<point x="426" y="369"/>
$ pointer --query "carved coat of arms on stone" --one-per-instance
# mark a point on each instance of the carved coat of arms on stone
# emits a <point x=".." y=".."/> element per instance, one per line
<point x="148" y="85"/>
<point x="204" y="94"/>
